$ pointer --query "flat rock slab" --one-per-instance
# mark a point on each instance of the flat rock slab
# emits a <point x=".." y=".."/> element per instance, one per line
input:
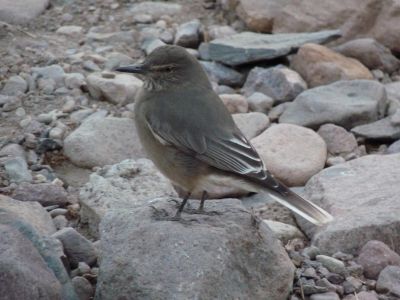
<point x="121" y="186"/>
<point x="346" y="103"/>
<point x="211" y="257"/>
<point x="248" y="47"/>
<point x="362" y="195"/>
<point x="382" y="130"/>
<point x="21" y="11"/>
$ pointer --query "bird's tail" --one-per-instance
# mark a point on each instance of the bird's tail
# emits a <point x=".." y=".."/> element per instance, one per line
<point x="296" y="203"/>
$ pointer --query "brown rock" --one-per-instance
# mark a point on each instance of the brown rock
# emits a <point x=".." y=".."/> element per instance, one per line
<point x="251" y="124"/>
<point x="235" y="103"/>
<point x="292" y="153"/>
<point x="44" y="193"/>
<point x="319" y="65"/>
<point x="338" y="140"/>
<point x="375" y="256"/>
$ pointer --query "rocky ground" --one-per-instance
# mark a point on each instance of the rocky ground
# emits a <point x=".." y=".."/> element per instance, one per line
<point x="319" y="99"/>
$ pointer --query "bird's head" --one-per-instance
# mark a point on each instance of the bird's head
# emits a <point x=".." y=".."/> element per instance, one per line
<point x="168" y="66"/>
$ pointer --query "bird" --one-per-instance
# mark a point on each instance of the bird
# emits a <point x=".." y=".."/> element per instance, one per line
<point x="191" y="137"/>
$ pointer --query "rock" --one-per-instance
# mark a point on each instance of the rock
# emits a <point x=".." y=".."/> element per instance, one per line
<point x="389" y="281"/>
<point x="319" y="65"/>
<point x="394" y="148"/>
<point x="362" y="296"/>
<point x="292" y="153"/>
<point x="116" y="59"/>
<point x="371" y="54"/>
<point x="9" y="103"/>
<point x="71" y="30"/>
<point x="30" y="212"/>
<point x="24" y="274"/>
<point x="74" y="81"/>
<point x="343" y="103"/>
<point x="55" y="72"/>
<point x="14" y="85"/>
<point x="117" y="37"/>
<point x="393" y="95"/>
<point x="222" y="74"/>
<point x="83" y="288"/>
<point x="284" y="232"/>
<point x="76" y="246"/>
<point x="258" y="15"/>
<point x="121" y="186"/>
<point x="350" y="17"/>
<point x="382" y="129"/>
<point x="235" y="103"/>
<point x="155" y="9"/>
<point x="258" y="102"/>
<point x="280" y="83"/>
<point x="45" y="193"/>
<point x="247" y="47"/>
<point x="86" y="146"/>
<point x="338" y="140"/>
<point x="255" y="265"/>
<point x="21" y="11"/>
<point x="119" y="89"/>
<point x="151" y="44"/>
<point x="218" y="31"/>
<point x="332" y="264"/>
<point x="187" y="34"/>
<point x="204" y="52"/>
<point x="251" y="124"/>
<point x="12" y="151"/>
<point x="352" y="285"/>
<point x="325" y="296"/>
<point x="361" y="211"/>
<point x="375" y="256"/>
<point x="17" y="170"/>
<point x="60" y="222"/>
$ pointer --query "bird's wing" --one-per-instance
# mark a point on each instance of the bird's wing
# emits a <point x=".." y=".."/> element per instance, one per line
<point x="228" y="150"/>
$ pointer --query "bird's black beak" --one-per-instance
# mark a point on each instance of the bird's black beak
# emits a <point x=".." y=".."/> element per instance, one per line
<point x="139" y="69"/>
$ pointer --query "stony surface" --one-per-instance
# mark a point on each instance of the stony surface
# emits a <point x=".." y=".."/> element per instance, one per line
<point x="24" y="274"/>
<point x="371" y="54"/>
<point x="258" y="102"/>
<point x="345" y="190"/>
<point x="264" y="270"/>
<point x="280" y="83"/>
<point x="375" y="256"/>
<point x="251" y="124"/>
<point x="121" y="186"/>
<point x="235" y="103"/>
<point x="389" y="281"/>
<point x="89" y="145"/>
<point x="221" y="74"/>
<point x="247" y="47"/>
<point x="319" y="65"/>
<point x="292" y="153"/>
<point x="344" y="103"/>
<point x="283" y="231"/>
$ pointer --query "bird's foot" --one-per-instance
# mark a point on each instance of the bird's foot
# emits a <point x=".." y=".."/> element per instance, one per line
<point x="162" y="215"/>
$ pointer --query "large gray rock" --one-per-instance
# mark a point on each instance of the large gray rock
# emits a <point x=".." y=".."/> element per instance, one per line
<point x="23" y="272"/>
<point x="383" y="129"/>
<point x="338" y="140"/>
<point x="218" y="257"/>
<point x="247" y="47"/>
<point x="389" y="281"/>
<point x="363" y="210"/>
<point x="121" y="186"/>
<point x="102" y="141"/>
<point x="15" y="85"/>
<point x="371" y="54"/>
<point x="393" y="95"/>
<point x="292" y="153"/>
<point x="222" y="74"/>
<point x="30" y="212"/>
<point x="21" y="11"/>
<point x="188" y="34"/>
<point x="280" y="83"/>
<point x="344" y="103"/>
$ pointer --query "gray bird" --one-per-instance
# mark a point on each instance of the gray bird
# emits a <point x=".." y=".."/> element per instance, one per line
<point x="192" y="139"/>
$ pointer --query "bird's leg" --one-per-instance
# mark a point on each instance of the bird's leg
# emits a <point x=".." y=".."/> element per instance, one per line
<point x="161" y="215"/>
<point x="182" y="206"/>
<point x="200" y="210"/>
